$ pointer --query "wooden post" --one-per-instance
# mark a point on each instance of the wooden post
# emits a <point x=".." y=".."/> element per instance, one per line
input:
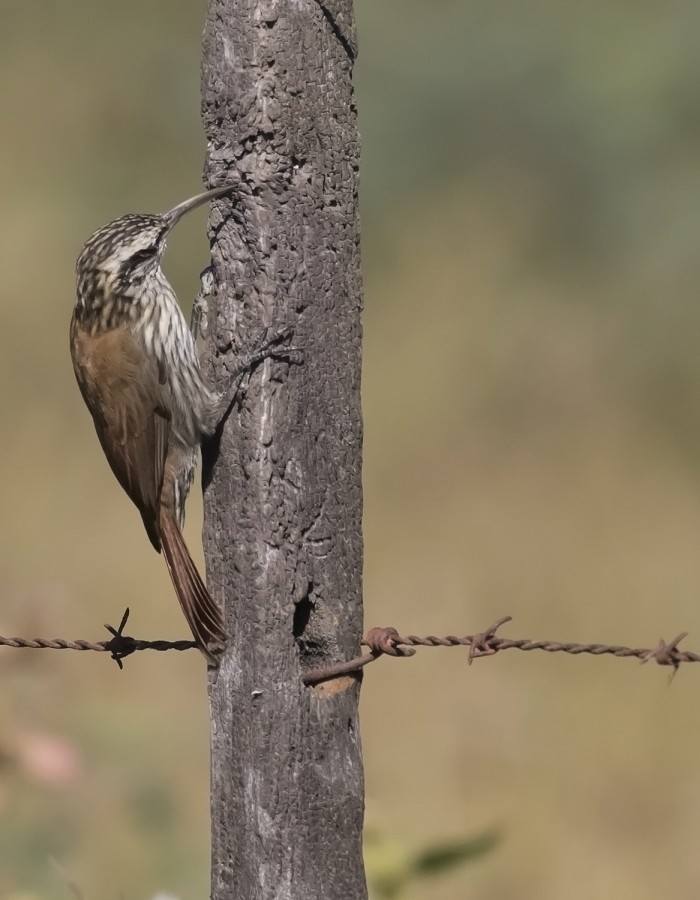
<point x="283" y="493"/>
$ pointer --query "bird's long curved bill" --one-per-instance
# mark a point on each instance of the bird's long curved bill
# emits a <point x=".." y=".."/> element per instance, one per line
<point x="173" y="216"/>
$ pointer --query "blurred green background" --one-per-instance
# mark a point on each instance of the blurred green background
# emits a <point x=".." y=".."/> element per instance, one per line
<point x="530" y="185"/>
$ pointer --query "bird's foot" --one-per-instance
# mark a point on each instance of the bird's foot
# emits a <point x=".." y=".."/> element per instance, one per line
<point x="263" y="347"/>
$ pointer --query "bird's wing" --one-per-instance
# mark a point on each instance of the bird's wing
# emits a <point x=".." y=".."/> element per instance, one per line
<point x="125" y="394"/>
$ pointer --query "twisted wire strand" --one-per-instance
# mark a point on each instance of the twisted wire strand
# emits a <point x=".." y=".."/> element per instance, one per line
<point x="132" y="644"/>
<point x="385" y="641"/>
<point x="388" y="642"/>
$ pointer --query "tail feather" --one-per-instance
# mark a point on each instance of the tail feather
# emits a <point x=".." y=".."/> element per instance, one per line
<point x="202" y="614"/>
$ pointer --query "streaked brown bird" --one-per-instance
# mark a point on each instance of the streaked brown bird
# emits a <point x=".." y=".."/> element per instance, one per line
<point x="138" y="371"/>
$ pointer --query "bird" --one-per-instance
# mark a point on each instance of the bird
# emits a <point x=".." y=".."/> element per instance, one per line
<point x="137" y="367"/>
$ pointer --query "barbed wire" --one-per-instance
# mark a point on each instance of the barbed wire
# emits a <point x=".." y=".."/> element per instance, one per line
<point x="119" y="646"/>
<point x="388" y="642"/>
<point x="385" y="642"/>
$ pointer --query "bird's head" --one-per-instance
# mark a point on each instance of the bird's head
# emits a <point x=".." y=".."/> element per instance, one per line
<point x="120" y="256"/>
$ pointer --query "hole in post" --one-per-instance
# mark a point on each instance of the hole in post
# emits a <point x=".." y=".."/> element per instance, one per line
<point x="302" y="614"/>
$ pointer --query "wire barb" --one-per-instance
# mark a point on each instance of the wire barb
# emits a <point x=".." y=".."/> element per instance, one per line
<point x="667" y="654"/>
<point x="482" y="644"/>
<point x="121" y="645"/>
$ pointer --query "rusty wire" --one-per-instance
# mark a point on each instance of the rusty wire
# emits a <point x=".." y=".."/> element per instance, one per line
<point x="384" y="642"/>
<point x="388" y="642"/>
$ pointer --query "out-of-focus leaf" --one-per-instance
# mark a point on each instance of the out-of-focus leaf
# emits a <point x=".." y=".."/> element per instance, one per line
<point x="390" y="869"/>
<point x="442" y="857"/>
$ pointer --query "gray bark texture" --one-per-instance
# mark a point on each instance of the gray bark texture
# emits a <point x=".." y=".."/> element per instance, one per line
<point x="283" y="492"/>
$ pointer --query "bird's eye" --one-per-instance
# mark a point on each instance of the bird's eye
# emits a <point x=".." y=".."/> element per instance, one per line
<point x="142" y="255"/>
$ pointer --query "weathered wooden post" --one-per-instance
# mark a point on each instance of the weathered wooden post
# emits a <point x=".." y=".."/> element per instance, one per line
<point x="283" y="492"/>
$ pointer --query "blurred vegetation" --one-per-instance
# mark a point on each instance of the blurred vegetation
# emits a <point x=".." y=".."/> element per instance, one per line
<point x="392" y="869"/>
<point x="532" y="411"/>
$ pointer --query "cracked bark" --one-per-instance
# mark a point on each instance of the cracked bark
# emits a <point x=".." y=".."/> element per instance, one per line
<point x="283" y="501"/>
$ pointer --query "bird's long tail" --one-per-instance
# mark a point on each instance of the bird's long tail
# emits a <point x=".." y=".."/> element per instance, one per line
<point x="202" y="614"/>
